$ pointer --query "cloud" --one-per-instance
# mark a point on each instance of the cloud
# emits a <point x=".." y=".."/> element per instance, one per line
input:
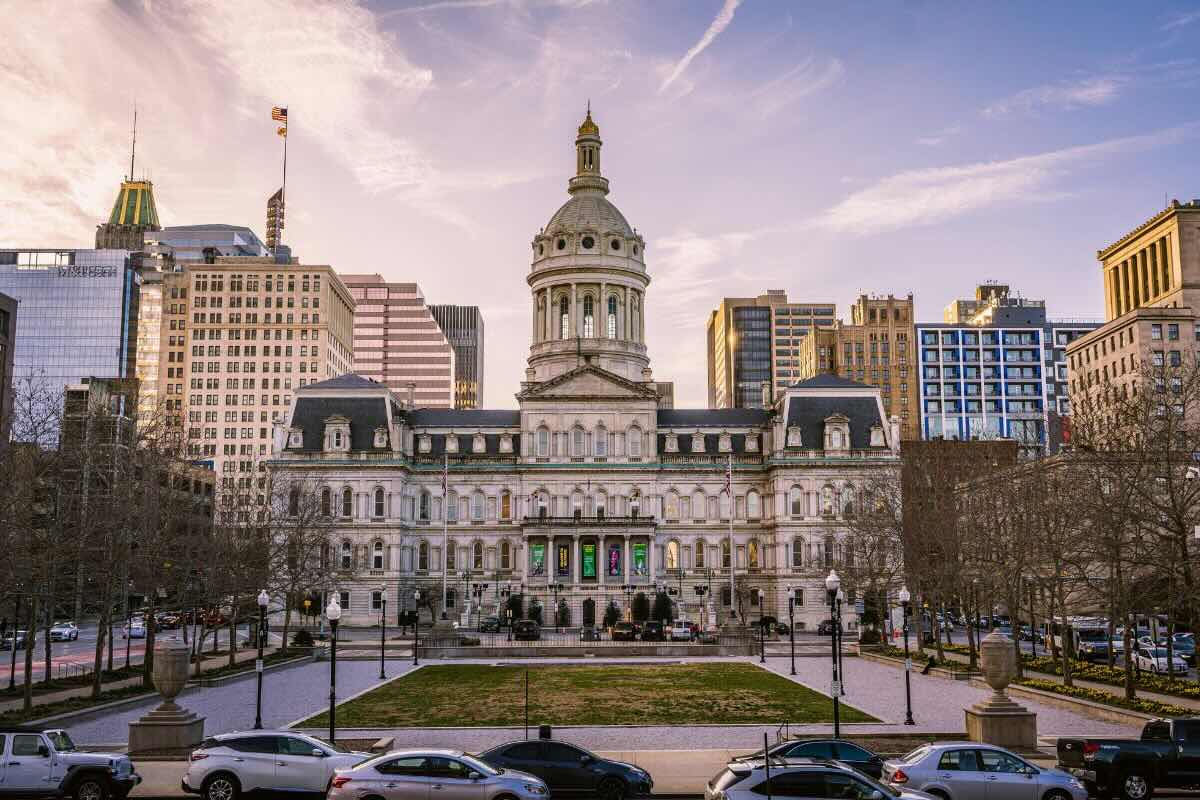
<point x="1181" y="19"/>
<point x="718" y="25"/>
<point x="1090" y="92"/>
<point x="928" y="196"/>
<point x="800" y="81"/>
<point x="443" y="5"/>
<point x="940" y="137"/>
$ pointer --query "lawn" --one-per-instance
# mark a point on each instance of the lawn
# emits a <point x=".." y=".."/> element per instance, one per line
<point x="456" y="695"/>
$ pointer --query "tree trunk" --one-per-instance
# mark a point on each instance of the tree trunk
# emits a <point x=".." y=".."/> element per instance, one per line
<point x="937" y="634"/>
<point x="233" y="635"/>
<point x="972" y="647"/>
<point x="1129" y="680"/>
<point x="32" y="628"/>
<point x="48" y="614"/>
<point x="151" y="636"/>
<point x="287" y="621"/>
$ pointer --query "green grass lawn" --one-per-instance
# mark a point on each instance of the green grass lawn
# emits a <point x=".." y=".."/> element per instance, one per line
<point x="643" y="694"/>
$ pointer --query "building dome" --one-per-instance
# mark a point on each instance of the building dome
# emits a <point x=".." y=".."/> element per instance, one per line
<point x="589" y="212"/>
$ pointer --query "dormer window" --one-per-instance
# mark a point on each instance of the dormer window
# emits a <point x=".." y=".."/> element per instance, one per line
<point x="751" y="442"/>
<point x="837" y="433"/>
<point x="877" y="436"/>
<point x="672" y="443"/>
<point x="697" y="442"/>
<point x="337" y="440"/>
<point x="425" y="443"/>
<point x="451" y="443"/>
<point x="506" y="443"/>
<point x="793" y="436"/>
<point x="295" y="438"/>
<point x="337" y="434"/>
<point x="381" y="437"/>
<point x="725" y="443"/>
<point x="478" y="444"/>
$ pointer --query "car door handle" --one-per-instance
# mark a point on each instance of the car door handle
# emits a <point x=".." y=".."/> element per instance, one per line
<point x="436" y="786"/>
<point x="991" y="777"/>
<point x="14" y="763"/>
<point x="946" y="776"/>
<point x="281" y="763"/>
<point x="391" y="785"/>
<point x="239" y="759"/>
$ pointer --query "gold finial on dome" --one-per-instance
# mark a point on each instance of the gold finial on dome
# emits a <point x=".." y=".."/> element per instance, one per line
<point x="589" y="128"/>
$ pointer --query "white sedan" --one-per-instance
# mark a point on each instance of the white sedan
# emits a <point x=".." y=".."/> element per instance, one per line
<point x="64" y="632"/>
<point x="1154" y="659"/>
<point x="135" y="631"/>
<point x="680" y="632"/>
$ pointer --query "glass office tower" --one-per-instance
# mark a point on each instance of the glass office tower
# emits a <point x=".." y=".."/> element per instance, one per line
<point x="77" y="313"/>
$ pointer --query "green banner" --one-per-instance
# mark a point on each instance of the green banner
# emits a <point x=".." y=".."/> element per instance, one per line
<point x="589" y="561"/>
<point x="639" y="559"/>
<point x="539" y="559"/>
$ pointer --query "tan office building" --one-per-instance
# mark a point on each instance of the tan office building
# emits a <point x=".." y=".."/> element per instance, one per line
<point x="399" y="343"/>
<point x="1151" y="304"/>
<point x="756" y="340"/>
<point x="877" y="348"/>
<point x="239" y="337"/>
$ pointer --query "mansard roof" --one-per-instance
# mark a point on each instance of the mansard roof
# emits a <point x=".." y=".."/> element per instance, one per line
<point x="712" y="444"/>
<point x="463" y="418"/>
<point x="828" y="382"/>
<point x="712" y="417"/>
<point x="366" y="414"/>
<point x="491" y="444"/>
<point x="351" y="380"/>
<point x="809" y="413"/>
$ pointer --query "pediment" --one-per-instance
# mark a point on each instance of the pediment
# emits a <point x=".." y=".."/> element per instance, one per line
<point x="588" y="382"/>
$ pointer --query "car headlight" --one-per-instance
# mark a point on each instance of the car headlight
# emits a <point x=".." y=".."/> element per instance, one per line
<point x="535" y="788"/>
<point x="1076" y="783"/>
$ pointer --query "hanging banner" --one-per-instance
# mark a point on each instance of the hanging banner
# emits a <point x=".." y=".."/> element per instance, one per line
<point x="539" y="559"/>
<point x="564" y="559"/>
<point x="639" y="559"/>
<point x="589" y="561"/>
<point x="614" y="559"/>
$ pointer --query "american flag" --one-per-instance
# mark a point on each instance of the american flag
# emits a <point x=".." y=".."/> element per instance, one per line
<point x="446" y="477"/>
<point x="729" y="477"/>
<point x="279" y="114"/>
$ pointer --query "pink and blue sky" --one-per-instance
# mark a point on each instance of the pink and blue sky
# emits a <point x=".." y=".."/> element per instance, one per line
<point x="823" y="148"/>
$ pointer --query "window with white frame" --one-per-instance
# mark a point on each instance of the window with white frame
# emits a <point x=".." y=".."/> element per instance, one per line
<point x="423" y="508"/>
<point x="379" y="503"/>
<point x="505" y="555"/>
<point x="452" y="507"/>
<point x="376" y="600"/>
<point x="451" y="554"/>
<point x="477" y="506"/>
<point x="543" y="442"/>
<point x="635" y="442"/>
<point x="423" y="556"/>
<point x="753" y="510"/>
<point x="346" y="557"/>
<point x="699" y="554"/>
<point x="347" y="502"/>
<point x="797" y="553"/>
<point x="796" y="501"/>
<point x="601" y="441"/>
<point x="579" y="442"/>
<point x="377" y="556"/>
<point x="477" y="556"/>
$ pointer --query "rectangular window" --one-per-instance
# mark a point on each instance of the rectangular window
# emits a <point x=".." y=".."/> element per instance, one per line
<point x="1173" y="332"/>
<point x="1156" y="332"/>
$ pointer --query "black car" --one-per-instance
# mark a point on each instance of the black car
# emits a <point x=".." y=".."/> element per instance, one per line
<point x="851" y="755"/>
<point x="654" y="632"/>
<point x="624" y="632"/>
<point x="589" y="633"/>
<point x="489" y="625"/>
<point x="826" y="628"/>
<point x="526" y="630"/>
<point x="571" y="771"/>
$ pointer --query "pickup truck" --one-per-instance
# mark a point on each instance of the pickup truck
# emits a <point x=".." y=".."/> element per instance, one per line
<point x="1166" y="756"/>
<point x="40" y="762"/>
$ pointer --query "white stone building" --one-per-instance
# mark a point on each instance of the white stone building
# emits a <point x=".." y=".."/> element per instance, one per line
<point x="588" y="486"/>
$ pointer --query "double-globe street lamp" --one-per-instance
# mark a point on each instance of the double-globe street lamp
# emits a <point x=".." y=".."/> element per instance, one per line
<point x="906" y="610"/>
<point x="333" y="613"/>
<point x="382" y="627"/>
<point x="263" y="599"/>
<point x="832" y="584"/>
<point x="792" y="625"/>
<point x="416" y="624"/>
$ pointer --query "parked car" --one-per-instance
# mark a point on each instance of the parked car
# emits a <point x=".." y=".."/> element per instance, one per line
<point x="973" y="771"/>
<point x="589" y="633"/>
<point x="43" y="762"/>
<point x="1184" y="645"/>
<point x="852" y="755"/>
<point x="1154" y="659"/>
<point x="1133" y="768"/>
<point x="406" y="774"/>
<point x="21" y="638"/>
<point x="680" y="632"/>
<point x="571" y="771"/>
<point x="826" y="628"/>
<point x="64" y="632"/>
<point x="624" y="632"/>
<point x="489" y="625"/>
<point x="226" y="766"/>
<point x="168" y="620"/>
<point x="526" y="630"/>
<point x="782" y="629"/>
<point x="653" y="631"/>
<point x="134" y="630"/>
<point x="800" y="777"/>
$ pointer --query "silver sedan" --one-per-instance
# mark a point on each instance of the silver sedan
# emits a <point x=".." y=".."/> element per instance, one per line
<point x="973" y="771"/>
<point x="420" y="774"/>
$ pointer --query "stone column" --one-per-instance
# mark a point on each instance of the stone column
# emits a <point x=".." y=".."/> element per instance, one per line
<point x="1164" y="261"/>
<point x="574" y="321"/>
<point x="628" y="577"/>
<point x="601" y="560"/>
<point x="577" y="566"/>
<point x="651" y="551"/>
<point x="549" y="331"/>
<point x="625" y="323"/>
<point x="602" y="312"/>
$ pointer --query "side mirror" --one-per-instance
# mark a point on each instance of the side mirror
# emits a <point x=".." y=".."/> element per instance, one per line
<point x="475" y="776"/>
<point x="318" y="752"/>
<point x="585" y="759"/>
<point x="875" y="795"/>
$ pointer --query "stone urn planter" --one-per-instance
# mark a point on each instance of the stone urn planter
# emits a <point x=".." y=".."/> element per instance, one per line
<point x="168" y="730"/>
<point x="171" y="662"/>
<point x="998" y="720"/>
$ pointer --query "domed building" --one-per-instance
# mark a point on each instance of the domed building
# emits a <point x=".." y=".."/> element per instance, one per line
<point x="588" y="493"/>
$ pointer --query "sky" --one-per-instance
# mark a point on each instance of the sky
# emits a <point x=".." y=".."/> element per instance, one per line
<point x="827" y="149"/>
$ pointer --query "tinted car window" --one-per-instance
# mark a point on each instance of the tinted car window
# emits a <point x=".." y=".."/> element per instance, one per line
<point x="290" y="746"/>
<point x="995" y="761"/>
<point x="446" y="768"/>
<point x="1157" y="730"/>
<point x="25" y="744"/>
<point x="812" y="750"/>
<point x="958" y="761"/>
<point x="554" y="751"/>
<point x="523" y="751"/>
<point x="252" y="744"/>
<point x="850" y="752"/>
<point x="794" y="784"/>
<point x="403" y="766"/>
<point x="838" y="785"/>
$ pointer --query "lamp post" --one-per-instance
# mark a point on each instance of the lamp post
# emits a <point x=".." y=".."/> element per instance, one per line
<point x="832" y="584"/>
<point x="262" y="601"/>
<point x="792" y="625"/>
<point x="906" y="609"/>
<point x="382" y="628"/>
<point x="416" y="624"/>
<point x="762" y="631"/>
<point x="333" y="613"/>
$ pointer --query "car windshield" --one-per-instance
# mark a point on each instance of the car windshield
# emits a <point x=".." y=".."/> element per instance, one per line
<point x="1094" y="635"/>
<point x="479" y="766"/>
<point x="916" y="755"/>
<point x="61" y="741"/>
<point x="1157" y="652"/>
<point x="335" y="747"/>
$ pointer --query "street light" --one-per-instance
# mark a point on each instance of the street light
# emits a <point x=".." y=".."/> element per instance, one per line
<point x="762" y="631"/>
<point x="382" y="628"/>
<point x="906" y="607"/>
<point x="333" y="613"/>
<point x="262" y="600"/>
<point x="792" y="625"/>
<point x="832" y="584"/>
<point x="416" y="623"/>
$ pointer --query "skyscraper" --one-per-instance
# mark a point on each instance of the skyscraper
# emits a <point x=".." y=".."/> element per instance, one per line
<point x="463" y="326"/>
<point x="275" y="220"/>
<point x="133" y="215"/>
<point x="398" y="342"/>
<point x="8" y="324"/>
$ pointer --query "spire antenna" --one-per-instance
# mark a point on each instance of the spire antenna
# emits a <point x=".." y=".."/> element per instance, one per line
<point x="133" y="146"/>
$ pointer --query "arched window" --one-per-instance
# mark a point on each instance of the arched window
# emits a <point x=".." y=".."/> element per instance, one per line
<point x="505" y="555"/>
<point x="577" y="505"/>
<point x="578" y="442"/>
<point x="326" y="502"/>
<point x="564" y="318"/>
<point x="699" y="556"/>
<point x="347" y="502"/>
<point x="377" y="556"/>
<point x="325" y="555"/>
<point x="423" y="556"/>
<point x="635" y="442"/>
<point x="505" y="505"/>
<point x="477" y="556"/>
<point x="477" y="506"/>
<point x="796" y="501"/>
<point x="672" y="505"/>
<point x="452" y="507"/>
<point x="698" y="505"/>
<point x="752" y="550"/>
<point x="724" y="554"/>
<point x="672" y="555"/>
<point x="612" y="318"/>
<point x="293" y="502"/>
<point x="543" y="442"/>
<point x="600" y="440"/>
<point x="423" y="508"/>
<point x="379" y="503"/>
<point x="848" y="501"/>
<point x="337" y="439"/>
<point x="797" y="553"/>
<point x="752" y="505"/>
<point x="685" y="507"/>
<point x="601" y="505"/>
<point x="589" y="320"/>
<point x="451" y="554"/>
<point x="346" y="559"/>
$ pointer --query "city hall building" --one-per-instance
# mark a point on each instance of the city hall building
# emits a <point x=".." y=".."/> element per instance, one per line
<point x="589" y="491"/>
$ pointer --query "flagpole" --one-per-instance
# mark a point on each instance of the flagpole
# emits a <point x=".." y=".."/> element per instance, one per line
<point x="282" y="191"/>
<point x="732" y="549"/>
<point x="445" y="526"/>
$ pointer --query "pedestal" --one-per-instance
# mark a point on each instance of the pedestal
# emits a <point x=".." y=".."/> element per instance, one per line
<point x="1000" y="721"/>
<point x="166" y="731"/>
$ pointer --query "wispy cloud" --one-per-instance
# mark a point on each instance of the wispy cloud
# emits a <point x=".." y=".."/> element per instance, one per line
<point x="1181" y="19"/>
<point x="800" y="81"/>
<point x="941" y="137"/>
<point x="718" y="25"/>
<point x="1089" y="92"/>
<point x="444" y="5"/>
<point x="927" y="196"/>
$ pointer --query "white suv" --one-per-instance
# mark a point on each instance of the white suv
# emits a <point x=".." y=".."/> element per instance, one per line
<point x="225" y="766"/>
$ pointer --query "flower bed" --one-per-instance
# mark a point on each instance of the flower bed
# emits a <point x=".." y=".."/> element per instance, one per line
<point x="1115" y="676"/>
<point x="1105" y="698"/>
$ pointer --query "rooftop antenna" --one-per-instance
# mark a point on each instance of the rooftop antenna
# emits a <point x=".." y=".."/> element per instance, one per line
<point x="133" y="146"/>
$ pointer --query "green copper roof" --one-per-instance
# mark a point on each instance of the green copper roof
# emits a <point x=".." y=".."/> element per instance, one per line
<point x="135" y="205"/>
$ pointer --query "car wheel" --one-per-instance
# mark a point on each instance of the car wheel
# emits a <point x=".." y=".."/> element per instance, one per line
<point x="1056" y="794"/>
<point x="614" y="789"/>
<point x="942" y="795"/>
<point x="1136" y="786"/>
<point x="91" y="787"/>
<point x="221" y="786"/>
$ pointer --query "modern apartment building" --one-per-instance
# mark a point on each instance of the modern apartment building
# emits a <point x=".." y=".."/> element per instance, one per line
<point x="756" y="340"/>
<point x="1000" y="372"/>
<point x="251" y="332"/>
<point x="877" y="348"/>
<point x="463" y="327"/>
<point x="1151" y="304"/>
<point x="8" y="331"/>
<point x="399" y="343"/>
